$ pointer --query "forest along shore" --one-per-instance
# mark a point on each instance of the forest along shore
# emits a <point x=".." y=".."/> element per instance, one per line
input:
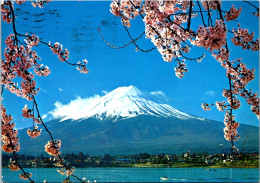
<point x="141" y="160"/>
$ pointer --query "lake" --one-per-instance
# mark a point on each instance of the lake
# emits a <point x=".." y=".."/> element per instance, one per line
<point x="142" y="174"/>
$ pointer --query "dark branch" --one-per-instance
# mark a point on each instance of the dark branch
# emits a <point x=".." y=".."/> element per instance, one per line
<point x="47" y="130"/>
<point x="135" y="42"/>
<point x="201" y="14"/>
<point x="252" y="4"/>
<point x="190" y="58"/>
<point x="189" y="20"/>
<point x="16" y="160"/>
<point x="209" y="16"/>
<point x="116" y="47"/>
<point x="244" y="144"/>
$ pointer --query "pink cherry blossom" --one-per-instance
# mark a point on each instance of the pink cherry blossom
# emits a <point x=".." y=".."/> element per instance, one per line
<point x="52" y="148"/>
<point x="233" y="13"/>
<point x="35" y="132"/>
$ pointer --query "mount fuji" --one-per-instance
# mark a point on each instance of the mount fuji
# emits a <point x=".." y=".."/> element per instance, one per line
<point x="123" y="103"/>
<point x="128" y="121"/>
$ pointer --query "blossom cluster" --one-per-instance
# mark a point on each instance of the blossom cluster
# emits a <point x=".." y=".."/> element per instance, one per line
<point x="9" y="134"/>
<point x="163" y="24"/>
<point x="166" y="30"/>
<point x="241" y="76"/>
<point x="221" y="106"/>
<point x="57" y="49"/>
<point x="18" y="61"/>
<point x="32" y="40"/>
<point x="230" y="131"/>
<point x="27" y="113"/>
<point x="13" y="166"/>
<point x="253" y="100"/>
<point x="35" y="132"/>
<point x="40" y="4"/>
<point x="6" y="12"/>
<point x="222" y="55"/>
<point x="52" y="148"/>
<point x="20" y="1"/>
<point x="206" y="106"/>
<point x="180" y="69"/>
<point x="126" y="9"/>
<point x="82" y="68"/>
<point x="42" y="71"/>
<point x="212" y="38"/>
<point x="24" y="176"/>
<point x="243" y="38"/>
<point x="233" y="13"/>
<point x="66" y="172"/>
<point x="210" y="4"/>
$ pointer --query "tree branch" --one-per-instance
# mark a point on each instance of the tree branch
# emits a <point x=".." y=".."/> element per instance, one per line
<point x="116" y="47"/>
<point x="244" y="144"/>
<point x="251" y="4"/>
<point x="47" y="130"/>
<point x="16" y="160"/>
<point x="209" y="16"/>
<point x="189" y="19"/>
<point x="201" y="14"/>
<point x="135" y="42"/>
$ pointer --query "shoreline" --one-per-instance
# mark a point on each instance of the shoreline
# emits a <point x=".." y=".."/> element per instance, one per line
<point x="206" y="167"/>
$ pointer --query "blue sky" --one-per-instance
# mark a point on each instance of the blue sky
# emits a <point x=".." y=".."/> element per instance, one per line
<point x="74" y="24"/>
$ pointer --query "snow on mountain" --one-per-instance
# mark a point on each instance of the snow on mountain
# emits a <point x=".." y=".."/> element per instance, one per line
<point x="123" y="103"/>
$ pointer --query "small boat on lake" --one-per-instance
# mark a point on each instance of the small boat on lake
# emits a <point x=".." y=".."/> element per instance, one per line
<point x="164" y="178"/>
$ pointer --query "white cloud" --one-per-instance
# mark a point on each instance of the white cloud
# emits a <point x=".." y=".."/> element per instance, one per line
<point x="105" y="92"/>
<point x="75" y="109"/>
<point x="210" y="93"/>
<point x="158" y="93"/>
<point x="44" y="116"/>
<point x="60" y="89"/>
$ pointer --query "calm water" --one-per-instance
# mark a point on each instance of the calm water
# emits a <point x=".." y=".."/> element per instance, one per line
<point x="144" y="174"/>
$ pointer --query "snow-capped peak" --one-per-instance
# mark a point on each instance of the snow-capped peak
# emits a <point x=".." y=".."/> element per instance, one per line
<point x="123" y="103"/>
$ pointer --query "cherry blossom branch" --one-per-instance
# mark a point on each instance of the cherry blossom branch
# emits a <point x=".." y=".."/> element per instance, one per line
<point x="229" y="78"/>
<point x="17" y="162"/>
<point x="163" y="25"/>
<point x="231" y="110"/>
<point x="53" y="141"/>
<point x="232" y="104"/>
<point x="13" y="16"/>
<point x="48" y="44"/>
<point x="21" y="168"/>
<point x="39" y="116"/>
<point x="28" y="85"/>
<point x="169" y="18"/>
<point x="158" y="34"/>
<point x="135" y="42"/>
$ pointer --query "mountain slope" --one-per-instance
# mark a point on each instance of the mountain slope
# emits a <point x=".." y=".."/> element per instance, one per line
<point x="143" y="124"/>
<point x="141" y="134"/>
